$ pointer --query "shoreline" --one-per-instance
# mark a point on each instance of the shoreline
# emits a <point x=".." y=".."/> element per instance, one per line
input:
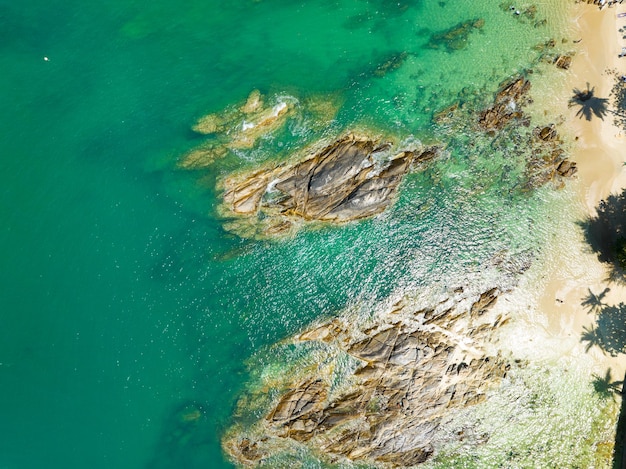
<point x="600" y="152"/>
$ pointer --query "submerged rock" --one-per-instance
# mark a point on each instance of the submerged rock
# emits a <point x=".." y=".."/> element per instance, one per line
<point x="547" y="133"/>
<point x="550" y="162"/>
<point x="242" y="126"/>
<point x="253" y="103"/>
<point x="392" y="63"/>
<point x="203" y="156"/>
<point x="414" y="367"/>
<point x="456" y="37"/>
<point x="352" y="178"/>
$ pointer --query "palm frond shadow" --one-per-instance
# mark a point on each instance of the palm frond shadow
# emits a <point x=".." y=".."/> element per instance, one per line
<point x="592" y="337"/>
<point x="590" y="105"/>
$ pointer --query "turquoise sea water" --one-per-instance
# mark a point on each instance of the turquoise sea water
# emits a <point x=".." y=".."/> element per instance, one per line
<point x="123" y="303"/>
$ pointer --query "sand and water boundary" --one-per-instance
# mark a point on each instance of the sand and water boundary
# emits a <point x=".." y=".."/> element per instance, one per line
<point x="600" y="153"/>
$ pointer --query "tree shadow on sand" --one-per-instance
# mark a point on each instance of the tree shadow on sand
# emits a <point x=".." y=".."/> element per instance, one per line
<point x="590" y="105"/>
<point x="606" y="234"/>
<point x="618" y="94"/>
<point x="608" y="332"/>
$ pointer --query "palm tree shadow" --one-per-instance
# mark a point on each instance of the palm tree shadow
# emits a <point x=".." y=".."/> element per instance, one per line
<point x="605" y="386"/>
<point x="606" y="235"/>
<point x="590" y="105"/>
<point x="593" y="302"/>
<point x="609" y="331"/>
<point x="592" y="336"/>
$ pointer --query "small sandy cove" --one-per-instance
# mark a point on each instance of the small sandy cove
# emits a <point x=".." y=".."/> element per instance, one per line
<point x="600" y="153"/>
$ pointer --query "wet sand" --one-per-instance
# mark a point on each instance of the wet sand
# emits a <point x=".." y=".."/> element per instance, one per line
<point x="600" y="153"/>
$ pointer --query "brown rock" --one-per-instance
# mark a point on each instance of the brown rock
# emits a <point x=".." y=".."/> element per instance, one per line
<point x="547" y="133"/>
<point x="567" y="168"/>
<point x="305" y="399"/>
<point x="485" y="301"/>
<point x="563" y="61"/>
<point x="511" y="97"/>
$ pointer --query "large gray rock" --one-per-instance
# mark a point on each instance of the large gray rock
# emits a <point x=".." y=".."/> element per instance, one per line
<point x="354" y="177"/>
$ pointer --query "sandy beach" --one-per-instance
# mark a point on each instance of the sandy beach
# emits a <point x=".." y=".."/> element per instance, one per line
<point x="600" y="152"/>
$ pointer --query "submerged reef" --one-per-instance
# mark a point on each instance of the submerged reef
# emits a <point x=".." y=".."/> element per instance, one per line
<point x="507" y="130"/>
<point x="377" y="391"/>
<point x="351" y="178"/>
<point x="242" y="126"/>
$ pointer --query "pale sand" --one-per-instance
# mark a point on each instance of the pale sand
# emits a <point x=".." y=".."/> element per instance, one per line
<point x="600" y="154"/>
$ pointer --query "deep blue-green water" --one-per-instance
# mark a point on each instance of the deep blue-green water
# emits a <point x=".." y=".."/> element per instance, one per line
<point x="123" y="301"/>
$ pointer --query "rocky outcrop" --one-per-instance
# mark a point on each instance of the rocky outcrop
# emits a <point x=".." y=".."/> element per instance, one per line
<point x="566" y="168"/>
<point x="352" y="178"/>
<point x="548" y="161"/>
<point x="507" y="105"/>
<point x="414" y="367"/>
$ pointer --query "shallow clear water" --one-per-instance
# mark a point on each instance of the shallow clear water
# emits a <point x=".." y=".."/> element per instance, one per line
<point x="122" y="299"/>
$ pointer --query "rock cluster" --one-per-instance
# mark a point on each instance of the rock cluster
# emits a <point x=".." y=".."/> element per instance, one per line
<point x="507" y="105"/>
<point x="549" y="160"/>
<point x="352" y="178"/>
<point x="415" y="367"/>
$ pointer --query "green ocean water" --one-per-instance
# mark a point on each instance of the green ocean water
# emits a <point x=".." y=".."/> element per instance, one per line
<point x="123" y="301"/>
